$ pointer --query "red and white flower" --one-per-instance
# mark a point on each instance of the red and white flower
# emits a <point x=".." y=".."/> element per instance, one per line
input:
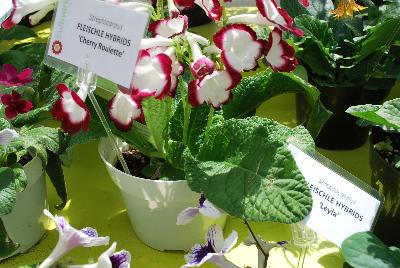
<point x="173" y="11"/>
<point x="15" y="104"/>
<point x="71" y="109"/>
<point x="278" y="16"/>
<point x="10" y="77"/>
<point x="152" y="74"/>
<point x="169" y="27"/>
<point x="280" y="55"/>
<point x="158" y="41"/>
<point x="183" y="4"/>
<point x="200" y="65"/>
<point x="124" y="108"/>
<point x="240" y="47"/>
<point x="212" y="8"/>
<point x="40" y="8"/>
<point x="214" y="89"/>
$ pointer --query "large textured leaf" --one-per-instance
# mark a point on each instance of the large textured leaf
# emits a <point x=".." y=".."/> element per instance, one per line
<point x="7" y="246"/>
<point x="30" y="117"/>
<point x="387" y="114"/>
<point x="246" y="169"/>
<point x="253" y="91"/>
<point x="18" y="32"/>
<point x="19" y="177"/>
<point x="379" y="37"/>
<point x="365" y="250"/>
<point x="8" y="193"/>
<point x="157" y="114"/>
<point x="319" y="9"/>
<point x="317" y="30"/>
<point x="55" y="172"/>
<point x="52" y="139"/>
<point x="4" y="123"/>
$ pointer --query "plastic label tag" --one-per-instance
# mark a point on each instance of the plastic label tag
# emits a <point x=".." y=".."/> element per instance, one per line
<point x="101" y="37"/>
<point x="342" y="204"/>
<point x="6" y="8"/>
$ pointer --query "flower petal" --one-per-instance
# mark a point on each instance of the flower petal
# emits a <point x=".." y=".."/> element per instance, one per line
<point x="123" y="109"/>
<point x="215" y="238"/>
<point x="209" y="210"/>
<point x="187" y="215"/>
<point x="15" y="105"/>
<point x="169" y="27"/>
<point x="279" y="55"/>
<point x="240" y="47"/>
<point x="121" y="259"/>
<point x="71" y="110"/>
<point x="10" y="77"/>
<point x="198" y="255"/>
<point x="153" y="73"/>
<point x="256" y="19"/>
<point x="213" y="89"/>
<point x="212" y="8"/>
<point x="158" y="41"/>
<point x="229" y="242"/>
<point x="38" y="16"/>
<point x="173" y="11"/>
<point x="7" y="135"/>
<point x="270" y="10"/>
<point x="183" y="4"/>
<point x="26" y="7"/>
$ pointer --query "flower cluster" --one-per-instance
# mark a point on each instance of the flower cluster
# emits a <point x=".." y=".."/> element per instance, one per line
<point x="70" y="238"/>
<point x="215" y="68"/>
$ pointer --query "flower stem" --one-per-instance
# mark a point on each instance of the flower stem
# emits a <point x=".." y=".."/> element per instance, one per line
<point x="266" y="255"/>
<point x="224" y="17"/>
<point x="186" y="111"/>
<point x="209" y="122"/>
<point x="160" y="9"/>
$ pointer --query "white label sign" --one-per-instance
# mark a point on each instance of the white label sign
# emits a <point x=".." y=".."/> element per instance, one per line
<point x="340" y="208"/>
<point x="100" y="36"/>
<point x="6" y="8"/>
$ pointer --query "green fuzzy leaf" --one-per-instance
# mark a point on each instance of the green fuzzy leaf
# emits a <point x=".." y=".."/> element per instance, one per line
<point x="170" y="173"/>
<point x="51" y="139"/>
<point x="365" y="250"/>
<point x="18" y="59"/>
<point x="18" y="32"/>
<point x="174" y="153"/>
<point x="317" y="30"/>
<point x="253" y="91"/>
<point x="8" y="194"/>
<point x="387" y="114"/>
<point x="30" y="117"/>
<point x="379" y="37"/>
<point x="55" y="172"/>
<point x="7" y="246"/>
<point x="4" y="123"/>
<point x="20" y="177"/>
<point x="157" y="114"/>
<point x="246" y="169"/>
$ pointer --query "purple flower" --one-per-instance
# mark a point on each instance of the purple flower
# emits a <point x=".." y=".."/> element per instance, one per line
<point x="205" y="207"/>
<point x="70" y="238"/>
<point x="110" y="259"/>
<point x="213" y="250"/>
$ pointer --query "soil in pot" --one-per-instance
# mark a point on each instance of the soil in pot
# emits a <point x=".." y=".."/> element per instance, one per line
<point x="384" y="153"/>
<point x="341" y="131"/>
<point x="135" y="161"/>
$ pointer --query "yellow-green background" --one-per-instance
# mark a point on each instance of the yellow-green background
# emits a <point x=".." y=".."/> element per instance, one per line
<point x="95" y="201"/>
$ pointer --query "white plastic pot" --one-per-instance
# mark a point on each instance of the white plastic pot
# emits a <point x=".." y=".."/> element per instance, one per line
<point x="153" y="206"/>
<point x="23" y="224"/>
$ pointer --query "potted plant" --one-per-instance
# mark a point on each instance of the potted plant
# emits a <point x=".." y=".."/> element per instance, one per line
<point x="385" y="162"/>
<point x="351" y="54"/>
<point x="27" y="148"/>
<point x="178" y="117"/>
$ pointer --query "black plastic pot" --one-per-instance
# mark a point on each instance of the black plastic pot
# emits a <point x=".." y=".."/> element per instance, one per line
<point x="197" y="16"/>
<point x="340" y="131"/>
<point x="386" y="179"/>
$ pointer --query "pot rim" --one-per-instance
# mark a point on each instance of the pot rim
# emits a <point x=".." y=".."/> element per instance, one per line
<point x="101" y="143"/>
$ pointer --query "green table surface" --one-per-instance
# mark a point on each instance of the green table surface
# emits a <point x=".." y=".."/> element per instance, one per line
<point x="95" y="201"/>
